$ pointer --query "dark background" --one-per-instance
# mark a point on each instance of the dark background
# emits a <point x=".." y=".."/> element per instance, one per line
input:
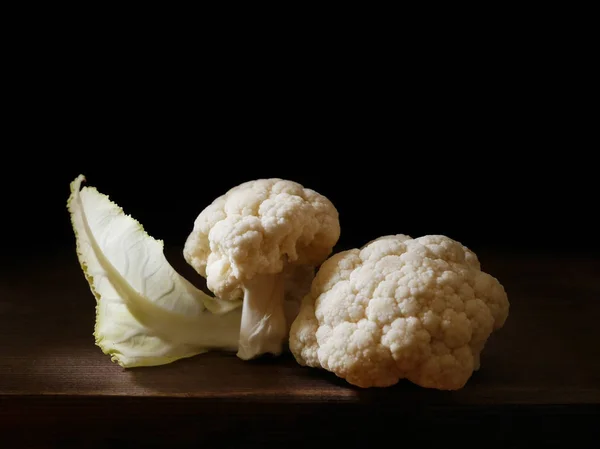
<point x="484" y="132"/>
<point x="487" y="144"/>
<point x="164" y="174"/>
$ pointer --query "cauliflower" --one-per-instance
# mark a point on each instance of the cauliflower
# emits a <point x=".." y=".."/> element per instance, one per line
<point x="255" y="240"/>
<point x="419" y="309"/>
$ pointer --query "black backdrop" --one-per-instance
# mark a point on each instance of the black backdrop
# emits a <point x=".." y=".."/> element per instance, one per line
<point x="492" y="157"/>
<point x="476" y="192"/>
<point x="486" y="137"/>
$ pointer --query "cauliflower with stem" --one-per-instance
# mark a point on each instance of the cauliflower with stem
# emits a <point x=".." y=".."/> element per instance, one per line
<point x="253" y="241"/>
<point x="420" y="309"/>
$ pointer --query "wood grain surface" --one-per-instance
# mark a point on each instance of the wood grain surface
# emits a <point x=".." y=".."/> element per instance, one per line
<point x="539" y="381"/>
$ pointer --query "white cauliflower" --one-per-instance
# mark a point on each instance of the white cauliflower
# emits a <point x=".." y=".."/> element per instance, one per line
<point x="253" y="241"/>
<point x="419" y="309"/>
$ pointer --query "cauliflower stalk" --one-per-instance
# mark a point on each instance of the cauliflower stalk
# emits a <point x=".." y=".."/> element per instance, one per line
<point x="420" y="309"/>
<point x="254" y="243"/>
<point x="146" y="313"/>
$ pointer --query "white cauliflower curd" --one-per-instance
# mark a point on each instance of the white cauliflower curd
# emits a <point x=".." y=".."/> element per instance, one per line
<point x="419" y="309"/>
<point x="255" y="240"/>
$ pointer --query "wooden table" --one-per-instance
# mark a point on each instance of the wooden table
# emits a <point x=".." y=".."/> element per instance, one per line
<point x="539" y="382"/>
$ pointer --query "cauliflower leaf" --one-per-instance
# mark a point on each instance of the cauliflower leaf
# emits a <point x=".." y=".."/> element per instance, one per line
<point x="146" y="313"/>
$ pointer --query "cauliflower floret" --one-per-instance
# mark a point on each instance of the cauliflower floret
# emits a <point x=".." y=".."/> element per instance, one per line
<point x="257" y="242"/>
<point x="419" y="309"/>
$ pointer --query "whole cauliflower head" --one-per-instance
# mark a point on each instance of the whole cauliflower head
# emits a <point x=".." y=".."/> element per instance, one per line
<point x="419" y="309"/>
<point x="254" y="241"/>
